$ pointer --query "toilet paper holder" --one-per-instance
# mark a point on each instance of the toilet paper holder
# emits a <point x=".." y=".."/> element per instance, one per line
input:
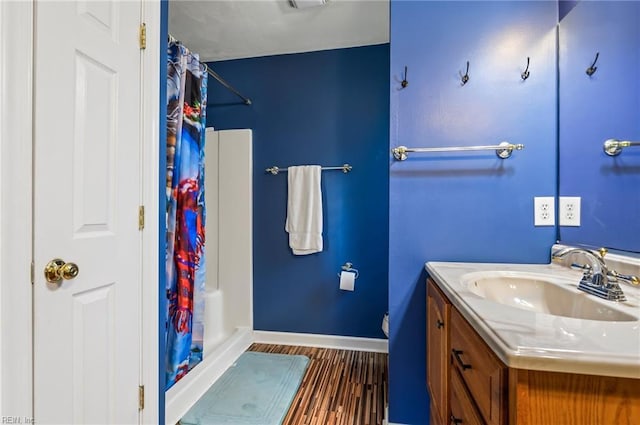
<point x="347" y="267"/>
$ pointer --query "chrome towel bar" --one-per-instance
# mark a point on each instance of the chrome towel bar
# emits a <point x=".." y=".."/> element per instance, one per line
<point x="503" y="150"/>
<point x="275" y="170"/>
<point x="613" y="147"/>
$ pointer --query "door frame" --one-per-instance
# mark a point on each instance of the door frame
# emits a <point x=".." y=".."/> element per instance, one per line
<point x="16" y="48"/>
<point x="16" y="188"/>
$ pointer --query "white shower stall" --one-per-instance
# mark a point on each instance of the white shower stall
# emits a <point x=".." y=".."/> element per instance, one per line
<point x="228" y="325"/>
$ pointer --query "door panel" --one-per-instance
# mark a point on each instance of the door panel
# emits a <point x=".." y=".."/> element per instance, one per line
<point x="93" y="345"/>
<point x="94" y="146"/>
<point x="86" y="198"/>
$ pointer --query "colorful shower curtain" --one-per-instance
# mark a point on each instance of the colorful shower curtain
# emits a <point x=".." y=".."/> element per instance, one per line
<point x="185" y="261"/>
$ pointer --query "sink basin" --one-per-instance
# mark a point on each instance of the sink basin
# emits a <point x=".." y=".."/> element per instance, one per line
<point x="541" y="294"/>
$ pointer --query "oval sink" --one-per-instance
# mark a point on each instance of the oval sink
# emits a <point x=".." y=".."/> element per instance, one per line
<point x="540" y="294"/>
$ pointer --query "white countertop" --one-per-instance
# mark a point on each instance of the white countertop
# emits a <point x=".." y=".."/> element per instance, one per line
<point x="530" y="340"/>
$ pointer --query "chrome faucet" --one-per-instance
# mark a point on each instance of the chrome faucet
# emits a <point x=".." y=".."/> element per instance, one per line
<point x="596" y="271"/>
<point x="596" y="279"/>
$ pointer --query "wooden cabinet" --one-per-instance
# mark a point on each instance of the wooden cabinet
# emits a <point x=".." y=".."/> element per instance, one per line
<point x="438" y="309"/>
<point x="470" y="385"/>
<point x="538" y="397"/>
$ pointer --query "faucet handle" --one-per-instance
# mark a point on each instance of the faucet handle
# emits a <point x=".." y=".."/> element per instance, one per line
<point x="603" y="251"/>
<point x="631" y="279"/>
<point x="584" y="267"/>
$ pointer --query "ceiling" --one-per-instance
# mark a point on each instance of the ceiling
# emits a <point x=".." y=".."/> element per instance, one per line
<point x="234" y="29"/>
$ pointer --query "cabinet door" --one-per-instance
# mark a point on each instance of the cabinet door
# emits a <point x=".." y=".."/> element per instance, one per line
<point x="437" y="351"/>
<point x="480" y="370"/>
<point x="463" y="410"/>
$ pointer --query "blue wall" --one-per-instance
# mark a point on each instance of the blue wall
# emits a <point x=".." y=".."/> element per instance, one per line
<point x="468" y="206"/>
<point x="327" y="108"/>
<point x="594" y="109"/>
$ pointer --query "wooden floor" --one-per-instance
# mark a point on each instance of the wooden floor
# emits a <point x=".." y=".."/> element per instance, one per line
<point x="340" y="387"/>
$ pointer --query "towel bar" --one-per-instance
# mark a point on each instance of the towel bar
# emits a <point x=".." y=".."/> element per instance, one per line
<point x="275" y="169"/>
<point x="613" y="147"/>
<point x="503" y="150"/>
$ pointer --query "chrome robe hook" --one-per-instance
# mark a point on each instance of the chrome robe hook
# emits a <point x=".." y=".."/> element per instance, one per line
<point x="592" y="69"/>
<point x="525" y="73"/>
<point x="465" y="77"/>
<point x="404" y="82"/>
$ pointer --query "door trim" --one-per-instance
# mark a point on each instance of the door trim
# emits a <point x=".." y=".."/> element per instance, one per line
<point x="16" y="185"/>
<point x="16" y="80"/>
<point x="150" y="199"/>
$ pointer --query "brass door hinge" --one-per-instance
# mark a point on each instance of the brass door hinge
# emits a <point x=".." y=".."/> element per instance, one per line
<point x="141" y="397"/>
<point x="141" y="217"/>
<point x="143" y="36"/>
<point x="33" y="272"/>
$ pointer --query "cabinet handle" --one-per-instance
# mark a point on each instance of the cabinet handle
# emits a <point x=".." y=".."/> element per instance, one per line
<point x="440" y="324"/>
<point x="454" y="421"/>
<point x="456" y="354"/>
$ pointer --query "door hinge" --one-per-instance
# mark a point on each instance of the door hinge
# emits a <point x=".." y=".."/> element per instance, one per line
<point x="143" y="36"/>
<point x="141" y="397"/>
<point x="141" y="217"/>
<point x="33" y="272"/>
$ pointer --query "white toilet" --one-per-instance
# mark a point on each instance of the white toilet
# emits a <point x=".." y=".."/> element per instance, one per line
<point x="385" y="324"/>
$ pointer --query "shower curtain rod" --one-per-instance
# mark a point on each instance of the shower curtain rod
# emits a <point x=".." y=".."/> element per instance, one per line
<point x="211" y="72"/>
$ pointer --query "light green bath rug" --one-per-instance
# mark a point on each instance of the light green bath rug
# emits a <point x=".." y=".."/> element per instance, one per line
<point x="256" y="390"/>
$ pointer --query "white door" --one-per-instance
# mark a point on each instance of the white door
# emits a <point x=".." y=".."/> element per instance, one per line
<point x="86" y="197"/>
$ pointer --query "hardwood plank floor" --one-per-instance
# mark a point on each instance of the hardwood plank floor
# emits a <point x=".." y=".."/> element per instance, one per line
<point x="340" y="387"/>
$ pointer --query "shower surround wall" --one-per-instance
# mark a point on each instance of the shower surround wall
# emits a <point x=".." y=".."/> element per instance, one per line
<point x="464" y="206"/>
<point x="327" y="108"/>
<point x="228" y="308"/>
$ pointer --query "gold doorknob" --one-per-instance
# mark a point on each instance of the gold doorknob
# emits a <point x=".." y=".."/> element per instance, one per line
<point x="57" y="269"/>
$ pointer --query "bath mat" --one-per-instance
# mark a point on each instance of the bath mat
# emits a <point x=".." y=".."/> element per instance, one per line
<point x="256" y="390"/>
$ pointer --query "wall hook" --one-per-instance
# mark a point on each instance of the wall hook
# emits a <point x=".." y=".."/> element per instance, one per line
<point x="465" y="77"/>
<point x="592" y="69"/>
<point x="525" y="74"/>
<point x="404" y="82"/>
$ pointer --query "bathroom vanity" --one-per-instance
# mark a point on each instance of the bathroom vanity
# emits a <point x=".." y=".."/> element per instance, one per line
<point x="519" y="344"/>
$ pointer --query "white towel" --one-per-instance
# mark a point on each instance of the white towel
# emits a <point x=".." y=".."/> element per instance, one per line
<point x="304" y="209"/>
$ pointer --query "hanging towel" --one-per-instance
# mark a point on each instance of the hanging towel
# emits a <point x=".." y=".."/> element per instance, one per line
<point x="304" y="209"/>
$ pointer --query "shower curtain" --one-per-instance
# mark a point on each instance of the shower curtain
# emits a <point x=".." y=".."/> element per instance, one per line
<point x="185" y="261"/>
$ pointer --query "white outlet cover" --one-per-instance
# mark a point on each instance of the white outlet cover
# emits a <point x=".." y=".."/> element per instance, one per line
<point x="569" y="207"/>
<point x="544" y="211"/>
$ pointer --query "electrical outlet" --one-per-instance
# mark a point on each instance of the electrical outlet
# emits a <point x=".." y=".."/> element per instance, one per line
<point x="569" y="210"/>
<point x="544" y="211"/>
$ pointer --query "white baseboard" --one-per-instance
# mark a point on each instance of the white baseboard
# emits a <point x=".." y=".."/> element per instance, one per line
<point x="376" y="345"/>
<point x="385" y="420"/>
